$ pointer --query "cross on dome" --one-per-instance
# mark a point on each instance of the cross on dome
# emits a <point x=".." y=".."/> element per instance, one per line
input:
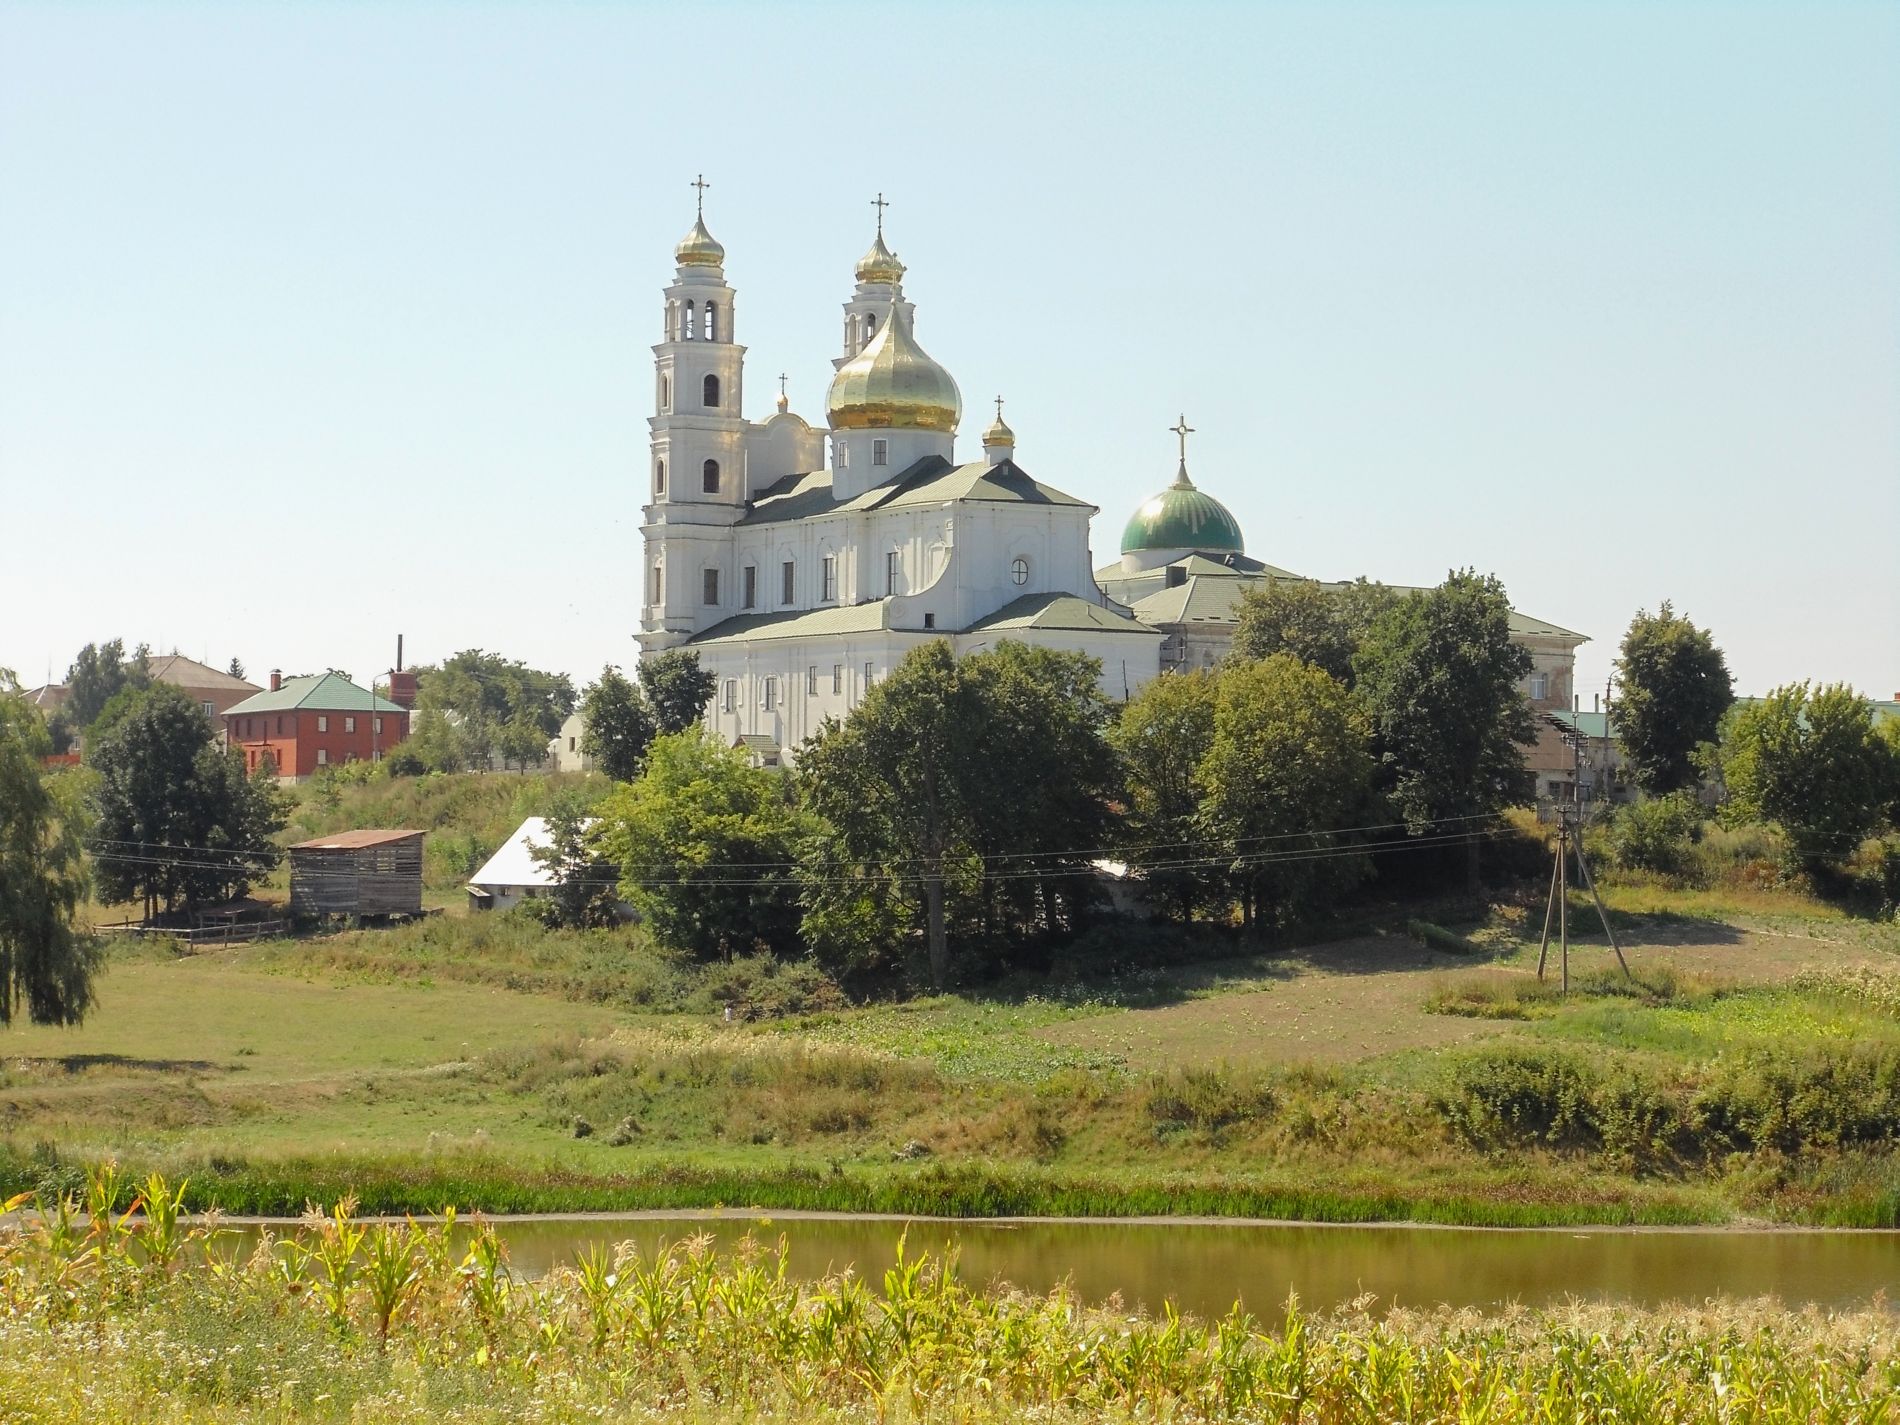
<point x="880" y="203"/>
<point x="1182" y="431"/>
<point x="699" y="182"/>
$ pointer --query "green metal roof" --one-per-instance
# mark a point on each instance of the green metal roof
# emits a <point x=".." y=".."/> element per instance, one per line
<point x="1058" y="612"/>
<point x="808" y="623"/>
<point x="1182" y="517"/>
<point x="321" y="692"/>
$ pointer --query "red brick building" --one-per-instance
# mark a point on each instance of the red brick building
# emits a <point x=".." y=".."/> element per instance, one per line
<point x="322" y="720"/>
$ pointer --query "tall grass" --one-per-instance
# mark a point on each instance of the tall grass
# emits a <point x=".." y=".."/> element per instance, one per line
<point x="353" y="1321"/>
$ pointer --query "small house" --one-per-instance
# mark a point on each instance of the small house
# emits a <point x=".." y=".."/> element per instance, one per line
<point x="357" y="873"/>
<point x="513" y="875"/>
<point x="321" y="720"/>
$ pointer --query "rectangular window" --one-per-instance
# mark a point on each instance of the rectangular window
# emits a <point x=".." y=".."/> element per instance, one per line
<point x="323" y="757"/>
<point x="710" y="591"/>
<point x="729" y="695"/>
<point x="770" y="696"/>
<point x="867" y="675"/>
<point x="349" y="724"/>
<point x="1540" y="685"/>
<point x="930" y="620"/>
<point x="830" y="569"/>
<point x="210" y="709"/>
<point x="837" y="677"/>
<point x="280" y="724"/>
<point x="891" y="565"/>
<point x="750" y="585"/>
<point x="323" y="723"/>
<point x="811" y="680"/>
<point x="378" y="726"/>
<point x="788" y="583"/>
<point x="880" y="451"/>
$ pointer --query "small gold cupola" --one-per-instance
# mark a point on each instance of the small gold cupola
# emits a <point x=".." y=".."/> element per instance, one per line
<point x="700" y="248"/>
<point x="999" y="441"/>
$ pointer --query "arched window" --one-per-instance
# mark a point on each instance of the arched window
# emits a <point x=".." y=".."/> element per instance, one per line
<point x="659" y="477"/>
<point x="1019" y="570"/>
<point x="709" y="476"/>
<point x="690" y="328"/>
<point x="671" y="322"/>
<point x="666" y="394"/>
<point x="870" y="325"/>
<point x="709" y="391"/>
<point x="712" y="325"/>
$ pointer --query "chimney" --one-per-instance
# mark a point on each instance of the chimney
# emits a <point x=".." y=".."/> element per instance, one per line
<point x="276" y="679"/>
<point x="1594" y="706"/>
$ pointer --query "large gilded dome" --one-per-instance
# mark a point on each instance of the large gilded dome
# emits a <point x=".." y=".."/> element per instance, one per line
<point x="892" y="384"/>
<point x="1181" y="517"/>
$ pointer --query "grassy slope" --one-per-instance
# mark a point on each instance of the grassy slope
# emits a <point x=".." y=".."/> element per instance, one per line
<point x="450" y="1061"/>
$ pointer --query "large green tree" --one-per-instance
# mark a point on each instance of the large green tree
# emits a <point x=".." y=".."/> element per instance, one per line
<point x="1439" y="675"/>
<point x="972" y="790"/>
<point x="47" y="958"/>
<point x="1317" y="623"/>
<point x="585" y="894"/>
<point x="1288" y="766"/>
<point x="178" y="823"/>
<point x="677" y="689"/>
<point x="1810" y="761"/>
<point x="493" y="704"/>
<point x="1674" y="688"/>
<point x="619" y="725"/>
<point x="1162" y="737"/>
<point x="705" y="843"/>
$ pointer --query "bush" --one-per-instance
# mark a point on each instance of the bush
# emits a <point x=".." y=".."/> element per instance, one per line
<point x="1208" y="1099"/>
<point x="1516" y="1095"/>
<point x="1657" y="834"/>
<point x="1830" y="1099"/>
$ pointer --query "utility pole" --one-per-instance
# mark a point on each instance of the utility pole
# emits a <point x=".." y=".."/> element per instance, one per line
<point x="1569" y="841"/>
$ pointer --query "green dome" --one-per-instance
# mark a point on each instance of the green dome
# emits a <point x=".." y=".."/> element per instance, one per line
<point x="1181" y="517"/>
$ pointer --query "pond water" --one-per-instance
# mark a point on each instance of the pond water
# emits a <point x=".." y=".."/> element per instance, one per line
<point x="1204" y="1267"/>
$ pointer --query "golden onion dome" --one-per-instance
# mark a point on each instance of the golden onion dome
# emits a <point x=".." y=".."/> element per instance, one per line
<point x="894" y="385"/>
<point x="880" y="264"/>
<point x="999" y="432"/>
<point x="699" y="248"/>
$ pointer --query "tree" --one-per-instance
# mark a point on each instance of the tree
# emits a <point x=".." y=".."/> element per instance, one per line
<point x="1317" y="624"/>
<point x="583" y="896"/>
<point x="705" y="843"/>
<point x="1287" y="767"/>
<point x="1162" y="736"/>
<point x="971" y="790"/>
<point x="178" y="822"/>
<point x="1439" y="674"/>
<point x="1675" y="687"/>
<point x="236" y="670"/>
<point x="47" y="959"/>
<point x="99" y="672"/>
<point x="619" y="725"/>
<point x="493" y="704"/>
<point x="677" y="689"/>
<point x="1810" y="761"/>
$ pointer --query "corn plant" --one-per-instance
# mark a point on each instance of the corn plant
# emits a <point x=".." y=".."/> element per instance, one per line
<point x="160" y="1234"/>
<point x="389" y="1270"/>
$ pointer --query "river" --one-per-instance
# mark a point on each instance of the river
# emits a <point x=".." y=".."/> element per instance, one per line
<point x="1202" y="1267"/>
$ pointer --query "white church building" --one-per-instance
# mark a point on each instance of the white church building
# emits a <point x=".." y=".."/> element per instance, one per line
<point x="802" y="564"/>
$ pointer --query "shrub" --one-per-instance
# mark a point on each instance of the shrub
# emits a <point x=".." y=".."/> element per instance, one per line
<point x="1657" y="834"/>
<point x="1514" y="1095"/>
<point x="1436" y="937"/>
<point x="1208" y="1099"/>
<point x="1791" y="1103"/>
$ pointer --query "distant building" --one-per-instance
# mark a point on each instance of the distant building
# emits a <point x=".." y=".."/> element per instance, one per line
<point x="319" y="720"/>
<point x="513" y="875"/>
<point x="215" y="692"/>
<point x="564" y="751"/>
<point x="357" y="873"/>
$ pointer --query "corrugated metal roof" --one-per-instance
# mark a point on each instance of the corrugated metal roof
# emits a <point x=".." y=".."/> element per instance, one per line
<point x="321" y="692"/>
<point x="183" y="672"/>
<point x="514" y="863"/>
<point x="353" y="840"/>
<point x="931" y="481"/>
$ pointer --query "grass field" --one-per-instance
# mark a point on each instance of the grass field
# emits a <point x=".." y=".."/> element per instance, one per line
<point x="1363" y="1078"/>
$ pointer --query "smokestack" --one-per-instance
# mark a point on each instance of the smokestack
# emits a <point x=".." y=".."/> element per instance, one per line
<point x="398" y="667"/>
<point x="276" y="679"/>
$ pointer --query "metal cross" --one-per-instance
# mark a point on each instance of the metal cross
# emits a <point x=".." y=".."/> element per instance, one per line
<point x="781" y="383"/>
<point x="1183" y="430"/>
<point x="999" y="408"/>
<point x="702" y="185"/>
<point x="880" y="204"/>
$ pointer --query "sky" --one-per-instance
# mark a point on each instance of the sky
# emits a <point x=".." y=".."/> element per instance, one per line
<point x="325" y="323"/>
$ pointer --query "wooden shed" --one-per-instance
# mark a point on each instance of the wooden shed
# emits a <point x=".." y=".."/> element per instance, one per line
<point x="360" y="873"/>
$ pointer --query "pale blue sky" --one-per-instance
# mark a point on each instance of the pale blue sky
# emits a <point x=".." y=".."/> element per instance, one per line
<point x="321" y="323"/>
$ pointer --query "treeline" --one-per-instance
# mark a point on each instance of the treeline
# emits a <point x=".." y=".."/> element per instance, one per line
<point x="961" y="811"/>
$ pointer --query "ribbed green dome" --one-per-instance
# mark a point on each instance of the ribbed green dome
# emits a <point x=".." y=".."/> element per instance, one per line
<point x="1181" y="517"/>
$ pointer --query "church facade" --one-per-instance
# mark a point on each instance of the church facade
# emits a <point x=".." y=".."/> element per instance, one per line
<point x="803" y="563"/>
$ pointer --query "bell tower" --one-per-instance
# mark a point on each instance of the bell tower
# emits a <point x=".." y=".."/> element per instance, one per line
<point x="696" y="479"/>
